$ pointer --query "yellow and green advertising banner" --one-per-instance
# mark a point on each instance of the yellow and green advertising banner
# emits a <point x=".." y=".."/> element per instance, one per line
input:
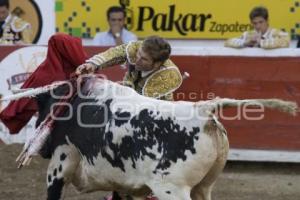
<point x="176" y="19"/>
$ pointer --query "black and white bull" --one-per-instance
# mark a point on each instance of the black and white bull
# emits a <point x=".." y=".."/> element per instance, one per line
<point x="113" y="139"/>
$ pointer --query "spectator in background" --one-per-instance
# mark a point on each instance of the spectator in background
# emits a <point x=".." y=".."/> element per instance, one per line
<point x="262" y="36"/>
<point x="117" y="33"/>
<point x="13" y="30"/>
<point x="298" y="45"/>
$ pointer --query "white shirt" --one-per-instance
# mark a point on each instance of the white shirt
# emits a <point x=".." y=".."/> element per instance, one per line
<point x="107" y="39"/>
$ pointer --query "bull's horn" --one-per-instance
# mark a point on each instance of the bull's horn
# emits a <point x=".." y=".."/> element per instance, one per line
<point x="33" y="91"/>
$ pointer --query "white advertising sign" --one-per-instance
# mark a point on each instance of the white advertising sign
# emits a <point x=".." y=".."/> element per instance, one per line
<point x="14" y="70"/>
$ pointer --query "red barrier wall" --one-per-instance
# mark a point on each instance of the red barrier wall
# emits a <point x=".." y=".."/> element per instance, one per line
<point x="239" y="78"/>
<point x="249" y="77"/>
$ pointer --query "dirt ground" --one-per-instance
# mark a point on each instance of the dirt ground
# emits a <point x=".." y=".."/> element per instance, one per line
<point x="240" y="180"/>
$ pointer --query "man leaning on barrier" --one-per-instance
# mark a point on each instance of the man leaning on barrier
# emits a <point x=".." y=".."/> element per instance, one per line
<point x="262" y="36"/>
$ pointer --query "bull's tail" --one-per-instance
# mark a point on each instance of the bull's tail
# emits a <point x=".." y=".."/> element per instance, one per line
<point x="276" y="104"/>
<point x="32" y="92"/>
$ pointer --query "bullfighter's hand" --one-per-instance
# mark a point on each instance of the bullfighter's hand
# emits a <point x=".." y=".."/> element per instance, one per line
<point x="86" y="68"/>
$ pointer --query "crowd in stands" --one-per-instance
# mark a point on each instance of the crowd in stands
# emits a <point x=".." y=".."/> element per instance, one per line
<point x="262" y="36"/>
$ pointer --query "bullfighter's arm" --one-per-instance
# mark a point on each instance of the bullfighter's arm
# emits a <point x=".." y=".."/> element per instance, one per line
<point x="278" y="39"/>
<point x="113" y="56"/>
<point x="237" y="42"/>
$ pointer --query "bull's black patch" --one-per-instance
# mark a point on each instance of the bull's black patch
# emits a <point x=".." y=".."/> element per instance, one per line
<point x="55" y="190"/>
<point x="49" y="178"/>
<point x="63" y="156"/>
<point x="168" y="192"/>
<point x="55" y="172"/>
<point x="121" y="118"/>
<point x="90" y="141"/>
<point x="173" y="140"/>
<point x="60" y="168"/>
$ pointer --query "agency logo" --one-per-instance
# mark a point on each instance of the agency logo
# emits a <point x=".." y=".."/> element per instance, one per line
<point x="30" y="12"/>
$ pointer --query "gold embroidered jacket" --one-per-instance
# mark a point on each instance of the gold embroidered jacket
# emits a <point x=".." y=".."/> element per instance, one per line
<point x="158" y="84"/>
<point x="16" y="30"/>
<point x="272" y="39"/>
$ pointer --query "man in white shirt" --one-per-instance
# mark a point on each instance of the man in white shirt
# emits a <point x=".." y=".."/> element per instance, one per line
<point x="262" y="36"/>
<point x="117" y="33"/>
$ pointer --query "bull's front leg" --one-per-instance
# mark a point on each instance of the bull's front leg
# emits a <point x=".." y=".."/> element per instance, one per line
<point x="60" y="171"/>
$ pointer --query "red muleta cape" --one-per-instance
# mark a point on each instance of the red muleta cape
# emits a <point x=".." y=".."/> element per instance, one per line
<point x="65" y="54"/>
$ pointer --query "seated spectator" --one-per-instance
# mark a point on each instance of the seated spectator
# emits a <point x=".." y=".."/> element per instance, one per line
<point x="117" y="33"/>
<point x="13" y="30"/>
<point x="262" y="36"/>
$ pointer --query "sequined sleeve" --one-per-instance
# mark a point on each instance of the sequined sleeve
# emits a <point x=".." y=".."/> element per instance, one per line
<point x="277" y="39"/>
<point x="163" y="82"/>
<point x="113" y="56"/>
